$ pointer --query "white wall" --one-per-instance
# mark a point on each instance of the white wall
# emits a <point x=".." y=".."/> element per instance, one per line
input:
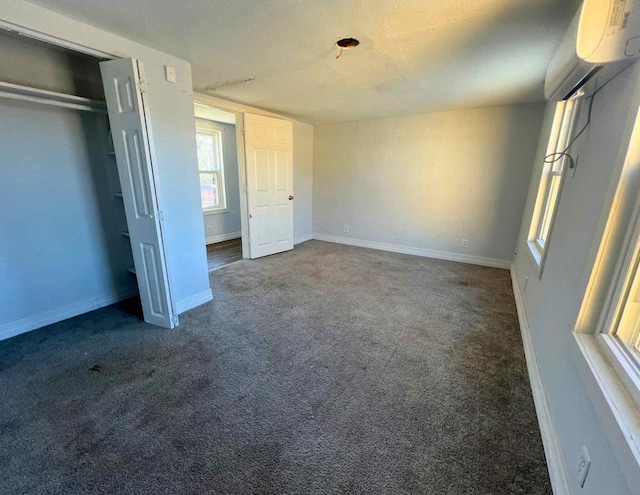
<point x="170" y="106"/>
<point x="303" y="136"/>
<point x="427" y="181"/>
<point x="222" y="225"/>
<point x="552" y="303"/>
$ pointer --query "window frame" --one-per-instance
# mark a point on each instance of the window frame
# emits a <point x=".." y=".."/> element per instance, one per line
<point x="617" y="353"/>
<point x="611" y="375"/>
<point x="608" y="371"/>
<point x="552" y="180"/>
<point x="218" y="135"/>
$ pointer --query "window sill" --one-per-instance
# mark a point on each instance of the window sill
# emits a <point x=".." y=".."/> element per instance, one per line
<point x="536" y="255"/>
<point x="617" y="410"/>
<point x="215" y="212"/>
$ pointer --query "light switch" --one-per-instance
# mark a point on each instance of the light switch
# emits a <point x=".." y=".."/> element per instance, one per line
<point x="170" y="73"/>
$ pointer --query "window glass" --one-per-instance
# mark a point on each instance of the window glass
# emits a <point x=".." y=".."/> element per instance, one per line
<point x="627" y="329"/>
<point x="211" y="167"/>
<point x="209" y="190"/>
<point x="552" y="176"/>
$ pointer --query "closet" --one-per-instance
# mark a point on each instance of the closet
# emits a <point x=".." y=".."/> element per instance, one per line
<point x="65" y="245"/>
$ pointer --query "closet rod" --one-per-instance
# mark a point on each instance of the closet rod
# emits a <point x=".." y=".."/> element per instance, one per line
<point x="19" y="92"/>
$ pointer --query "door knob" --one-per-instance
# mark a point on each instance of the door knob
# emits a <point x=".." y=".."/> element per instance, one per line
<point x="290" y="198"/>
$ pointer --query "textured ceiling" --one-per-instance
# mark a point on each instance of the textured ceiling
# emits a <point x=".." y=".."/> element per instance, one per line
<point x="414" y="56"/>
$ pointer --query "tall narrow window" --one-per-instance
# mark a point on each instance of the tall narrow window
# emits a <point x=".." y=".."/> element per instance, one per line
<point x="619" y="327"/>
<point x="627" y="329"/>
<point x="553" y="174"/>
<point x="211" y="167"/>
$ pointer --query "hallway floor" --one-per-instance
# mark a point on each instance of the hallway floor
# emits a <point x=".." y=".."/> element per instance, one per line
<point x="222" y="253"/>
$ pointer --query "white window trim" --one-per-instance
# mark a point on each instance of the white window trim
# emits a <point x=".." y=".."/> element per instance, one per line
<point x="616" y="408"/>
<point x="215" y="211"/>
<point x="615" y="351"/>
<point x="537" y="250"/>
<point x="224" y="207"/>
<point x="610" y="376"/>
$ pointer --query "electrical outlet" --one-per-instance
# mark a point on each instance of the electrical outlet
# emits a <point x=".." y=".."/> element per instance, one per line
<point x="583" y="466"/>
<point x="345" y="229"/>
<point x="209" y="229"/>
<point x="465" y="243"/>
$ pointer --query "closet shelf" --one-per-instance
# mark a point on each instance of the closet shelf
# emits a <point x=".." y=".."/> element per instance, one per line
<point x="26" y="93"/>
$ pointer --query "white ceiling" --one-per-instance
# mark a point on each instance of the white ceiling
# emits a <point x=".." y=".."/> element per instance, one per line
<point x="415" y="55"/>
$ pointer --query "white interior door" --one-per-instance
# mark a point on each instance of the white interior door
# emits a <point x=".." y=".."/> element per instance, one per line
<point x="269" y="153"/>
<point x="123" y="81"/>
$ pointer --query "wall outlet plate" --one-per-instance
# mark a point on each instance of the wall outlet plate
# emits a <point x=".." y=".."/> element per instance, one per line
<point x="583" y="466"/>
<point x="345" y="229"/>
<point x="465" y="243"/>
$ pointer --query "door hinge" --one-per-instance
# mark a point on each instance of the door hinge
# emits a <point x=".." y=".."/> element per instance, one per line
<point x="143" y="86"/>
<point x="160" y="215"/>
<point x="176" y="320"/>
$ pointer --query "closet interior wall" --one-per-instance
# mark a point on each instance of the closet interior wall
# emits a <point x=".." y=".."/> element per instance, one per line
<point x="64" y="248"/>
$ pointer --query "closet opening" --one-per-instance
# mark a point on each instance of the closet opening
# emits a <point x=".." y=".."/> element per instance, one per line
<point x="63" y="228"/>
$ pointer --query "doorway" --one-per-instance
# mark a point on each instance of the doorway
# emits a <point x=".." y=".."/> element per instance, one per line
<point x="220" y="183"/>
<point x="264" y="163"/>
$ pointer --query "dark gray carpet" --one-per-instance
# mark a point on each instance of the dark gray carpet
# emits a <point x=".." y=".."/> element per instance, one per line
<point x="326" y="370"/>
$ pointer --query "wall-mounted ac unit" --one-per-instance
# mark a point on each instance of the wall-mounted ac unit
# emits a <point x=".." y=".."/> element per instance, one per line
<point x="602" y="31"/>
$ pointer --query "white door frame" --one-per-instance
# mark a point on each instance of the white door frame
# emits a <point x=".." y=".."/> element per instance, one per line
<point x="53" y="40"/>
<point x="242" y="168"/>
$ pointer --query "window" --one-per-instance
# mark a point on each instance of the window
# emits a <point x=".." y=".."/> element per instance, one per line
<point x="211" y="167"/>
<point x="606" y="330"/>
<point x="619" y="329"/>
<point x="552" y="176"/>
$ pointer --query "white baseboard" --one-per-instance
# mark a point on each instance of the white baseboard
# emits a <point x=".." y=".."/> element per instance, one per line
<point x="223" y="237"/>
<point x="194" y="301"/>
<point x="16" y="327"/>
<point x="303" y="238"/>
<point x="555" y="462"/>
<point x="427" y="253"/>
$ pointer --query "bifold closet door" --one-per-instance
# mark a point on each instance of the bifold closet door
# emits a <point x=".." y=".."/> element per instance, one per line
<point x="123" y="81"/>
